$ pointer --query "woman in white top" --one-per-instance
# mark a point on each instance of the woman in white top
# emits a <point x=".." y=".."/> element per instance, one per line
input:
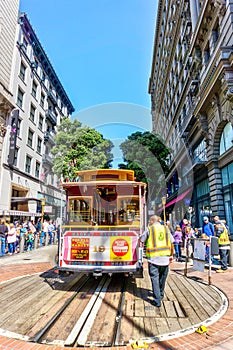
<point x="11" y="239"/>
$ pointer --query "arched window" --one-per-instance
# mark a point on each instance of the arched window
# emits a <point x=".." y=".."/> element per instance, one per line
<point x="226" y="138"/>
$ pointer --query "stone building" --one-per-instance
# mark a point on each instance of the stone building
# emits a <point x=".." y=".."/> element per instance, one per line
<point x="8" y="24"/>
<point x="40" y="103"/>
<point x="191" y="88"/>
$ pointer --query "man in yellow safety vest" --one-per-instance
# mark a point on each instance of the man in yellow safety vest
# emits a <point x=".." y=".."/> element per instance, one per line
<point x="222" y="232"/>
<point x="159" y="251"/>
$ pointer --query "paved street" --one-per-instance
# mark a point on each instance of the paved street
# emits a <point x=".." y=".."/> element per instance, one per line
<point x="219" y="333"/>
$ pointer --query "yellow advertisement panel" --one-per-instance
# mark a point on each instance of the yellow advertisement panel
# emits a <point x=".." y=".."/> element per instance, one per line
<point x="120" y="248"/>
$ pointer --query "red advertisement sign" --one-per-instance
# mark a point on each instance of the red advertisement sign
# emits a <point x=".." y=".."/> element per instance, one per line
<point x="80" y="248"/>
<point x="120" y="247"/>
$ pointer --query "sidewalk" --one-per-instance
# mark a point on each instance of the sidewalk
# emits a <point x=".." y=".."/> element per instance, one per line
<point x="220" y="334"/>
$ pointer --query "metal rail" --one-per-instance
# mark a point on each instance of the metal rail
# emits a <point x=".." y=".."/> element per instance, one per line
<point x="78" y="335"/>
<point x="42" y="332"/>
<point x="116" y="336"/>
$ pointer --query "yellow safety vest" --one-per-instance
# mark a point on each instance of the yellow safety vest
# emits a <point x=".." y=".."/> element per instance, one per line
<point x="224" y="237"/>
<point x="158" y="242"/>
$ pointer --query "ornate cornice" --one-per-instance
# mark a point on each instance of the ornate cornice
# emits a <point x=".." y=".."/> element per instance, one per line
<point x="3" y="129"/>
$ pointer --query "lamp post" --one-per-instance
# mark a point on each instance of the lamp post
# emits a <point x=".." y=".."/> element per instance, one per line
<point x="164" y="199"/>
<point x="42" y="208"/>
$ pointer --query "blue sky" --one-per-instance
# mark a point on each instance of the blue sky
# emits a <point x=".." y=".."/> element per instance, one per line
<point x="100" y="49"/>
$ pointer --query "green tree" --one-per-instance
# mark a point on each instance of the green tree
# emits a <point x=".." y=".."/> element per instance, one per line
<point x="147" y="155"/>
<point x="79" y="147"/>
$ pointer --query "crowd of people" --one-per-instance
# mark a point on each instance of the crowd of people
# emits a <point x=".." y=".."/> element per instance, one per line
<point x="12" y="233"/>
<point x="159" y="238"/>
<point x="184" y="231"/>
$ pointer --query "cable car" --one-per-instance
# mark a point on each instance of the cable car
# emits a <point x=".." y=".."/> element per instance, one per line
<point x="105" y="215"/>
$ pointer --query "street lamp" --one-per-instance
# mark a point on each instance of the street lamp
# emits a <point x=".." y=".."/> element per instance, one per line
<point x="42" y="208"/>
<point x="164" y="200"/>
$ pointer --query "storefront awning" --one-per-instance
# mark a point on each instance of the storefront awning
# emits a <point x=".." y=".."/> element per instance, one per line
<point x="179" y="198"/>
<point x="19" y="213"/>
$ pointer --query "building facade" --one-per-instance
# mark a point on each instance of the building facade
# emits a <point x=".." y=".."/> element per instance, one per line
<point x="191" y="88"/>
<point x="40" y="101"/>
<point x="8" y="25"/>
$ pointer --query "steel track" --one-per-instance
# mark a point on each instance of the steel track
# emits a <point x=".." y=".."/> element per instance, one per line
<point x="42" y="332"/>
<point x="79" y="334"/>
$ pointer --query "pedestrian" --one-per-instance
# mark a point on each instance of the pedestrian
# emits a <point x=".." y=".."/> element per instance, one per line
<point x="39" y="227"/>
<point x="17" y="226"/>
<point x="207" y="232"/>
<point x="3" y="233"/>
<point x="159" y="251"/>
<point x="222" y="232"/>
<point x="189" y="240"/>
<point x="11" y="239"/>
<point x="29" y="240"/>
<point x="183" y="224"/>
<point x="178" y="242"/>
<point x="44" y="232"/>
<point x="169" y="225"/>
<point x="51" y="229"/>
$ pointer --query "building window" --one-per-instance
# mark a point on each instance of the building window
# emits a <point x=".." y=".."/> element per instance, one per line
<point x="42" y="100"/>
<point x="20" y="98"/>
<point x="22" y="71"/>
<point x="200" y="152"/>
<point x="30" y="137"/>
<point x="18" y="127"/>
<point x="203" y="188"/>
<point x="227" y="175"/>
<point x="207" y="54"/>
<point x="39" y="144"/>
<point x="226" y="141"/>
<point x="32" y="113"/>
<point x="28" y="164"/>
<point x="34" y="88"/>
<point x="24" y="45"/>
<point x="37" y="170"/>
<point x="41" y="120"/>
<point x="43" y="76"/>
<point x="16" y="157"/>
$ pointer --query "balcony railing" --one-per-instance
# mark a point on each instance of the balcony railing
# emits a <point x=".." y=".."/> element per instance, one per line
<point x="52" y="97"/>
<point x="51" y="116"/>
<point x="47" y="159"/>
<point x="48" y="137"/>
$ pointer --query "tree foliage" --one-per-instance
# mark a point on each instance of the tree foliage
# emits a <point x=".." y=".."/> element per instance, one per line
<point x="146" y="154"/>
<point x="79" y="147"/>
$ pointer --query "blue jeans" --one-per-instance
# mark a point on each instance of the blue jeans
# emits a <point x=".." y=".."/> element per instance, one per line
<point x="43" y="234"/>
<point x="223" y="258"/>
<point x="50" y="237"/>
<point x="177" y="247"/>
<point x="11" y="248"/>
<point x="29" y="245"/>
<point x="3" y="245"/>
<point x="158" y="275"/>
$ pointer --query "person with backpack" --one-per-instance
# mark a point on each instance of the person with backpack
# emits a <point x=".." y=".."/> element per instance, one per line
<point x="222" y="232"/>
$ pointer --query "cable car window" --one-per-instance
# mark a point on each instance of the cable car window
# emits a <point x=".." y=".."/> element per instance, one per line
<point x="79" y="210"/>
<point x="129" y="210"/>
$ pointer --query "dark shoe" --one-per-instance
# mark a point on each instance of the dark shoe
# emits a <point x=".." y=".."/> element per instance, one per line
<point x="154" y="303"/>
